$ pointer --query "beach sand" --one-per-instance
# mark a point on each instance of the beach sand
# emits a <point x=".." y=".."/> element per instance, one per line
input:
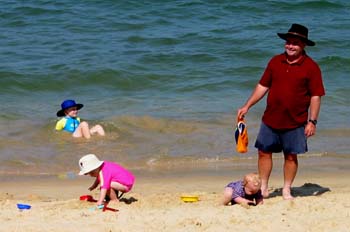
<point x="154" y="204"/>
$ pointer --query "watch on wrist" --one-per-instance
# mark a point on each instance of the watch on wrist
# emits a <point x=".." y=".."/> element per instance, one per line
<point x="313" y="121"/>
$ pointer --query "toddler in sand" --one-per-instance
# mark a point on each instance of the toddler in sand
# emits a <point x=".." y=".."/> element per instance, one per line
<point x="245" y="192"/>
<point x="111" y="176"/>
<point x="71" y="123"/>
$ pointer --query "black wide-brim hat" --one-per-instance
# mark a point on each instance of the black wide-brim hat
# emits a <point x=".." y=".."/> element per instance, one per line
<point x="298" y="31"/>
<point x="68" y="104"/>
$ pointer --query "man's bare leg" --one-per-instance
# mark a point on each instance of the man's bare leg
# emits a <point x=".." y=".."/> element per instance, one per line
<point x="265" y="167"/>
<point x="290" y="171"/>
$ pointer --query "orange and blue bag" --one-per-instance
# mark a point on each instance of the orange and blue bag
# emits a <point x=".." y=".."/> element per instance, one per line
<point x="241" y="136"/>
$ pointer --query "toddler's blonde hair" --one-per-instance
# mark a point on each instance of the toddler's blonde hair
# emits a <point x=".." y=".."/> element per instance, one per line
<point x="253" y="178"/>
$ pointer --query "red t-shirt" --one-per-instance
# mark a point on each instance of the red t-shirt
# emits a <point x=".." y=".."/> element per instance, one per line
<point x="291" y="87"/>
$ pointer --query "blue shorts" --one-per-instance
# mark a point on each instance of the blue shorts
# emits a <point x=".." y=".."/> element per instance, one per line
<point x="291" y="141"/>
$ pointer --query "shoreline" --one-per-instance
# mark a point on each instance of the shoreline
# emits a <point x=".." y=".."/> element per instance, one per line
<point x="174" y="165"/>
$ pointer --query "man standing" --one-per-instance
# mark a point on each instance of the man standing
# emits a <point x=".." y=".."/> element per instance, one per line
<point x="294" y="85"/>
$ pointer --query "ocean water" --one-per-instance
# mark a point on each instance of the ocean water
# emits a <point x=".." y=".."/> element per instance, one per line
<point x="165" y="78"/>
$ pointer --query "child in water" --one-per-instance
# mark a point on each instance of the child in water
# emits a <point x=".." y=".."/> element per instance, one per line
<point x="112" y="178"/>
<point x="71" y="123"/>
<point x="245" y="192"/>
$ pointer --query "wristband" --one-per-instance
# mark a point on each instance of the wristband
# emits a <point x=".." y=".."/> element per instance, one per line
<point x="313" y="121"/>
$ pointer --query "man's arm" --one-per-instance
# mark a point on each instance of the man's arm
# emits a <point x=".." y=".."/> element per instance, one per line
<point x="314" y="110"/>
<point x="258" y="93"/>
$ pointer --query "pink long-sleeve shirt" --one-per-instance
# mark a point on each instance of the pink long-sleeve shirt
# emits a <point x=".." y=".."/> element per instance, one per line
<point x="113" y="172"/>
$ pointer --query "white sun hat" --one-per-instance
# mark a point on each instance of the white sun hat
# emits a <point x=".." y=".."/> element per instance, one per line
<point x="89" y="162"/>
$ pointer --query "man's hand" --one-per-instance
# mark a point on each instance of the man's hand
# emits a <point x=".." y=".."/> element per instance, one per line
<point x="310" y="129"/>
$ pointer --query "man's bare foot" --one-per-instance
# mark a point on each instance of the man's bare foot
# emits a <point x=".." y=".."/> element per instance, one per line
<point x="265" y="192"/>
<point x="286" y="194"/>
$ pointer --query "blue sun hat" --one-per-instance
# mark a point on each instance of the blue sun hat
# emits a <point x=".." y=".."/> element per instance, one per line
<point x="66" y="105"/>
<point x="241" y="136"/>
<point x="240" y="127"/>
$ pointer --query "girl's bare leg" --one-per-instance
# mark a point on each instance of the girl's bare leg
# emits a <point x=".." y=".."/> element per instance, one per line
<point x="82" y="131"/>
<point x="112" y="194"/>
<point x="227" y="196"/>
<point x="97" y="129"/>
